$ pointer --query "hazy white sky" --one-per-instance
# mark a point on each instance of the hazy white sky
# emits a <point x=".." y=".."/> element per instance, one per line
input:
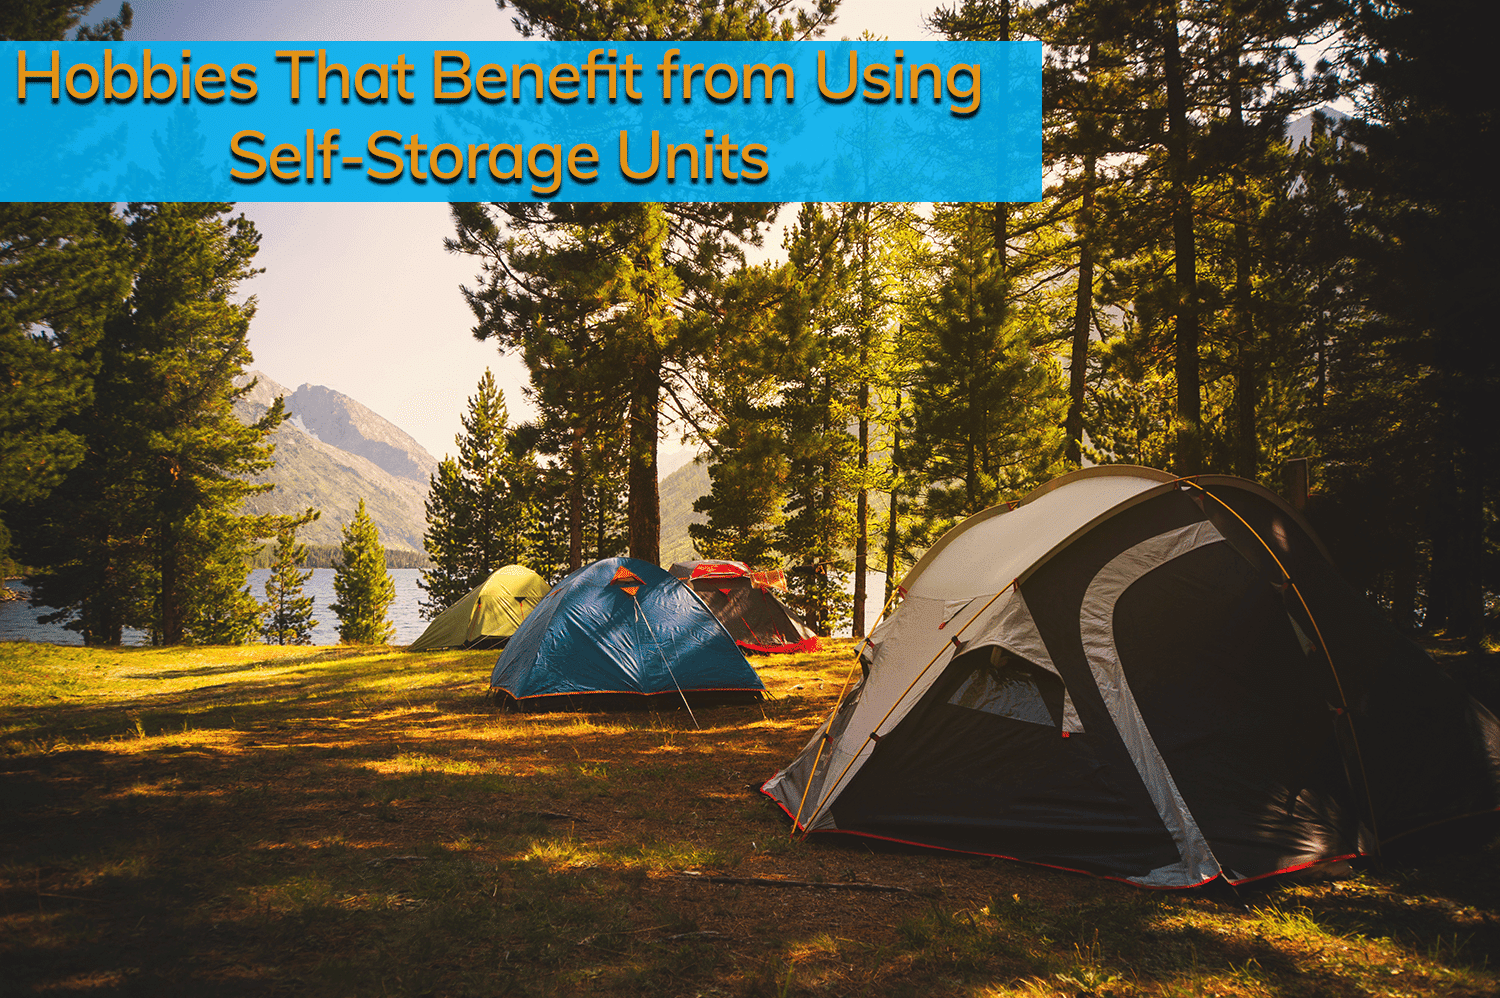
<point x="361" y="297"/>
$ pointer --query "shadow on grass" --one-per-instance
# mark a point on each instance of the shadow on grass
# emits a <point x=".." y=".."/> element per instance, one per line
<point x="367" y="827"/>
<point x="319" y="831"/>
<point x="314" y="658"/>
<point x="295" y="868"/>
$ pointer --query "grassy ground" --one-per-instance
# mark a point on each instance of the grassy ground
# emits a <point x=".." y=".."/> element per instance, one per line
<point x="362" y="822"/>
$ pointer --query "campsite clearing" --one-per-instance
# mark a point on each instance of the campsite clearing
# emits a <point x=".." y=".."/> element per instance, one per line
<point x="319" y="821"/>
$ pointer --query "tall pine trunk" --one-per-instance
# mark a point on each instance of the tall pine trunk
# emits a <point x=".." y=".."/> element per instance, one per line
<point x="1001" y="218"/>
<point x="1188" y="453"/>
<point x="862" y="496"/>
<point x="169" y="555"/>
<point x="575" y="501"/>
<point x="862" y="505"/>
<point x="644" y="502"/>
<point x="1083" y="312"/>
<point x="890" y="520"/>
<point x="1247" y="372"/>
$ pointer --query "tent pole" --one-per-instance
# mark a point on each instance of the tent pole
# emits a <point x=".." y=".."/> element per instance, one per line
<point x="897" y="702"/>
<point x="797" y="820"/>
<point x="641" y="615"/>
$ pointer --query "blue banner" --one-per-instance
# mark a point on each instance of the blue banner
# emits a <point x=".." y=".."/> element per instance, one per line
<point x="521" y="121"/>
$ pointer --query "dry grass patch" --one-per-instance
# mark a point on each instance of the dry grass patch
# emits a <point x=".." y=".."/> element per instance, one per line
<point x="351" y="821"/>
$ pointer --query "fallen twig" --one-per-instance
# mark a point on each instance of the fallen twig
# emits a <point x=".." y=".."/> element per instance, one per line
<point x="396" y="859"/>
<point x="548" y="815"/>
<point x="822" y="885"/>
<point x="589" y="940"/>
<point x="700" y="934"/>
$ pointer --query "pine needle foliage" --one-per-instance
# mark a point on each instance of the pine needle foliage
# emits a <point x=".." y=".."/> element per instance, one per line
<point x="481" y="508"/>
<point x="219" y="607"/>
<point x="289" y="614"/>
<point x="362" y="585"/>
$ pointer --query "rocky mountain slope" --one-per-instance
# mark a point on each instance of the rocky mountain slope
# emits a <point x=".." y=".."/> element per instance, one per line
<point x="332" y="452"/>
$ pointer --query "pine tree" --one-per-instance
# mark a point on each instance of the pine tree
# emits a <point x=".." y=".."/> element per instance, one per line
<point x="880" y="242"/>
<point x="600" y="301"/>
<point x="446" y="540"/>
<point x="747" y="466"/>
<point x="1410" y="401"/>
<point x="146" y="531"/>
<point x="62" y="268"/>
<point x="1162" y="126"/>
<point x="1086" y="81"/>
<point x="289" y="614"/>
<point x="739" y="391"/>
<point x="617" y="286"/>
<point x="481" y="507"/>
<point x="676" y="20"/>
<point x="745" y="497"/>
<point x="987" y="409"/>
<point x="819" y="402"/>
<point x="51" y="20"/>
<point x="362" y="585"/>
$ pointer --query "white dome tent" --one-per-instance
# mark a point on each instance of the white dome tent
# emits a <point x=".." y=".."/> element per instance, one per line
<point x="1144" y="678"/>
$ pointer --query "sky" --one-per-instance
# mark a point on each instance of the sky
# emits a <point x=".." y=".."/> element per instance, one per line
<point x="361" y="297"/>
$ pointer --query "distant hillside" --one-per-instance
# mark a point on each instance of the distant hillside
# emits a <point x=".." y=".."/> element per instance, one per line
<point x="1300" y="131"/>
<point x="681" y="489"/>
<point x="678" y="492"/>
<point x="332" y="452"/>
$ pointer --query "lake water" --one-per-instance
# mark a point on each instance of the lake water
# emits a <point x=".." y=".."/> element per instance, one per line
<point x="18" y="619"/>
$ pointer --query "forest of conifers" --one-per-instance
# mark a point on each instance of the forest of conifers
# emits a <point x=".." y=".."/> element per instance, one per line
<point x="1195" y="292"/>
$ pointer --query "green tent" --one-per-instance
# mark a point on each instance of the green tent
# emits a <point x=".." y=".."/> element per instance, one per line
<point x="489" y="615"/>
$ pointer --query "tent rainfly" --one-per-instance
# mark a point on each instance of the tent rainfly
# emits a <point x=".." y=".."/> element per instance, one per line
<point x="622" y="632"/>
<point x="1148" y="679"/>
<point x="489" y="615"/>
<point x="746" y="605"/>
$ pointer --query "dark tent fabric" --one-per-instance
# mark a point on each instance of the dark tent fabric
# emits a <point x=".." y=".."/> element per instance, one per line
<point x="1151" y="680"/>
<point x="747" y="606"/>
<point x="621" y="632"/>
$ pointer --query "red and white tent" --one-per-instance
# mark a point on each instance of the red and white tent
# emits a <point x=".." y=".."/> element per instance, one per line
<point x="746" y="604"/>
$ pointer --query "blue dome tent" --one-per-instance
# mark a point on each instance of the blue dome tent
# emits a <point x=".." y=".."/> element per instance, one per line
<point x="621" y="633"/>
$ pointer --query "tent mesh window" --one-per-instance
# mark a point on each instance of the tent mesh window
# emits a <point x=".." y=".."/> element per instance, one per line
<point x="999" y="683"/>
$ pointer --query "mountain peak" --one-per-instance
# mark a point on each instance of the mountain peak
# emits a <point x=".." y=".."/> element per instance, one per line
<point x="343" y="422"/>
<point x="265" y="391"/>
<point x="331" y="452"/>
